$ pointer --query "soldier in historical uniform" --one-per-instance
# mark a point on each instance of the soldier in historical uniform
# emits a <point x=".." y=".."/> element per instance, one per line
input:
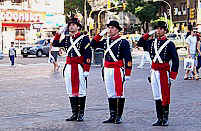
<point x="117" y="68"/>
<point x="162" y="51"/>
<point x="76" y="70"/>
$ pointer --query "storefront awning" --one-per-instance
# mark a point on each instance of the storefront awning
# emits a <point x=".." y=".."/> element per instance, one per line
<point x="16" y="25"/>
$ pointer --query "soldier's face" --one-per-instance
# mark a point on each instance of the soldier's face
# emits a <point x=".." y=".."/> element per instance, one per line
<point x="113" y="31"/>
<point x="160" y="31"/>
<point x="73" y="27"/>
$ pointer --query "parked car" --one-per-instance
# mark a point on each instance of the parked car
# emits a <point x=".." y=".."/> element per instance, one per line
<point x="39" y="48"/>
<point x="1" y="55"/>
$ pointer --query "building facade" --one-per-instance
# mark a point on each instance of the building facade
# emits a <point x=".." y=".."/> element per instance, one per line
<point x="183" y="12"/>
<point x="26" y="21"/>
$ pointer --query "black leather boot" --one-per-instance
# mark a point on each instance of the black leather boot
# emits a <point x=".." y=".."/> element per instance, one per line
<point x="120" y="108"/>
<point x="81" y="107"/>
<point x="74" y="106"/>
<point x="112" y="110"/>
<point x="159" y="112"/>
<point x="165" y="115"/>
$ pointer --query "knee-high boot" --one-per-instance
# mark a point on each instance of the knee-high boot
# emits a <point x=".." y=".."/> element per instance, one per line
<point x="81" y="107"/>
<point x="112" y="110"/>
<point x="159" y="112"/>
<point x="165" y="115"/>
<point x="119" y="109"/>
<point x="74" y="107"/>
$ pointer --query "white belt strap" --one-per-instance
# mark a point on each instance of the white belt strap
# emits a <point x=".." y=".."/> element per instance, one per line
<point x="73" y="45"/>
<point x="157" y="52"/>
<point x="109" y="48"/>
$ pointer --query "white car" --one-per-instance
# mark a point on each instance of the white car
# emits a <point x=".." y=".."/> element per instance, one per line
<point x="1" y="55"/>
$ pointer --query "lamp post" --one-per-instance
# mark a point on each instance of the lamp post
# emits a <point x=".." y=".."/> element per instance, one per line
<point x="102" y="10"/>
<point x="170" y="11"/>
<point x="188" y="10"/>
<point x="85" y="15"/>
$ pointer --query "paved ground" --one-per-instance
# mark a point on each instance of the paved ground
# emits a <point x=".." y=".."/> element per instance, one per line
<point x="33" y="98"/>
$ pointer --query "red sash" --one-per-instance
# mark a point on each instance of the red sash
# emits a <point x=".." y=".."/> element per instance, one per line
<point x="74" y="61"/>
<point x="117" y="75"/>
<point x="165" y="89"/>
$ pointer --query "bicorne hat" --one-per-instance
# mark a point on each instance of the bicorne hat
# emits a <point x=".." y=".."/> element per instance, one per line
<point x="115" y="24"/>
<point x="161" y="24"/>
<point x="75" y="21"/>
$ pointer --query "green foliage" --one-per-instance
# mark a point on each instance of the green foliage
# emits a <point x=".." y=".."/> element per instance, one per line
<point x="143" y="10"/>
<point x="146" y="12"/>
<point x="71" y="6"/>
<point x="132" y="4"/>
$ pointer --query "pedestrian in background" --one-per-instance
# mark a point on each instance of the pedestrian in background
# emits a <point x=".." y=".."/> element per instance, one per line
<point x="76" y="70"/>
<point x="192" y="41"/>
<point x="199" y="56"/>
<point x="12" y="54"/>
<point x="162" y="51"/>
<point x="54" y="51"/>
<point x="117" y="68"/>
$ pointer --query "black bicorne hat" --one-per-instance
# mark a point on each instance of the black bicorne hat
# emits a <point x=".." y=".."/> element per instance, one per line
<point x="115" y="24"/>
<point x="75" y="21"/>
<point x="161" y="24"/>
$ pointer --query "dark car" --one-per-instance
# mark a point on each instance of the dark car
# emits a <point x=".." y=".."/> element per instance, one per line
<point x="39" y="48"/>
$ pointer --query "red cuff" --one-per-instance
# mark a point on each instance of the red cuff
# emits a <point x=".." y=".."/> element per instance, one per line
<point x="86" y="67"/>
<point x="128" y="72"/>
<point x="173" y="75"/>
<point x="97" y="38"/>
<point x="57" y="36"/>
<point x="146" y="36"/>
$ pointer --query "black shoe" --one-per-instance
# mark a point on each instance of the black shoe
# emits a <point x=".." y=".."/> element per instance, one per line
<point x="165" y="123"/>
<point x="81" y="108"/>
<point x="74" y="107"/>
<point x="159" y="112"/>
<point x="80" y="117"/>
<point x="72" y="118"/>
<point x="158" y="123"/>
<point x="165" y="115"/>
<point x="120" y="108"/>
<point x="110" y="120"/>
<point x="112" y="108"/>
<point x="118" y="120"/>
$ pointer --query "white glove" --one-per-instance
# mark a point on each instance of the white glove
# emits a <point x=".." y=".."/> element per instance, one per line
<point x="51" y="59"/>
<point x="152" y="32"/>
<point x="127" y="78"/>
<point x="103" y="32"/>
<point x="170" y="82"/>
<point x="62" y="30"/>
<point x="86" y="74"/>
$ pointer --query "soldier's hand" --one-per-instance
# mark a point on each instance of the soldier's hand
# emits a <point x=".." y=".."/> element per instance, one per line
<point x="86" y="74"/>
<point x="170" y="82"/>
<point x="152" y="32"/>
<point x="103" y="32"/>
<point x="62" y="30"/>
<point x="127" y="78"/>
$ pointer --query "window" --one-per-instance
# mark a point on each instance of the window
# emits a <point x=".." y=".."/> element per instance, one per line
<point x="1" y="2"/>
<point x="16" y="1"/>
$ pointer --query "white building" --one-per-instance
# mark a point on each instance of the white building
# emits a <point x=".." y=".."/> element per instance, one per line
<point x="26" y="21"/>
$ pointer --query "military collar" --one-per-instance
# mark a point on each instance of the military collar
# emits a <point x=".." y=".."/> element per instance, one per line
<point x="162" y="38"/>
<point x="76" y="35"/>
<point x="115" y="37"/>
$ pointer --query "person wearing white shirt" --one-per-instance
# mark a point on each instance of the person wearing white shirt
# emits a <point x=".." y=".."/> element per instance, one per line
<point x="54" y="51"/>
<point x="192" y="41"/>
